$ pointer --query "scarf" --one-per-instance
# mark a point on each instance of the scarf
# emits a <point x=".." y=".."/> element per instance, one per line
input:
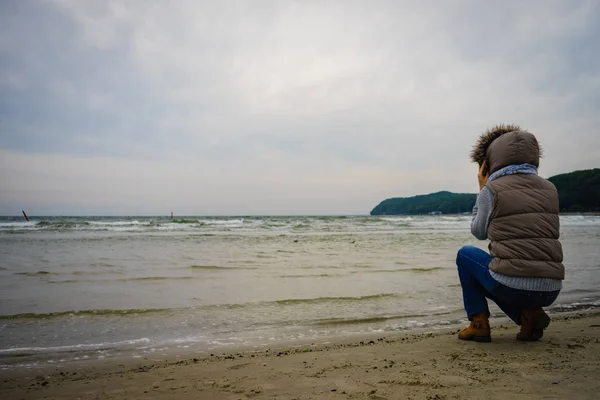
<point x="526" y="169"/>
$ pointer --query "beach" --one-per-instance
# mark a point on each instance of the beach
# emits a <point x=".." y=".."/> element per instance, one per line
<point x="424" y="365"/>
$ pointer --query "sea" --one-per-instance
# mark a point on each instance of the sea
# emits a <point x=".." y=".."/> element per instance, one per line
<point x="99" y="288"/>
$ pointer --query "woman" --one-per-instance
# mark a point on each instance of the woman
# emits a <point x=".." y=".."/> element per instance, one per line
<point x="518" y="212"/>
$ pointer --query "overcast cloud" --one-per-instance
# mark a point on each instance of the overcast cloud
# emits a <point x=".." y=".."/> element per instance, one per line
<point x="281" y="107"/>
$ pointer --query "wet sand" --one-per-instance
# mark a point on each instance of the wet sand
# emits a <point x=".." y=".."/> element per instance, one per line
<point x="565" y="364"/>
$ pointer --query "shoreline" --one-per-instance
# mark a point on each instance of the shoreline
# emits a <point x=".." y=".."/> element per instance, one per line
<point x="27" y="359"/>
<point x="65" y="357"/>
<point x="426" y="364"/>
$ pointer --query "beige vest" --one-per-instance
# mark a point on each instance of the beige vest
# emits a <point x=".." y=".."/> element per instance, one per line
<point x="524" y="227"/>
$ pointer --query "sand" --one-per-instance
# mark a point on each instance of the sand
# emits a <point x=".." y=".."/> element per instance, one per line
<point x="565" y="364"/>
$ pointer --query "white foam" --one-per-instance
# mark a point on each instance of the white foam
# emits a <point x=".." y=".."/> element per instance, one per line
<point x="18" y="225"/>
<point x="190" y="339"/>
<point x="124" y="229"/>
<point x="117" y="223"/>
<point x="234" y="222"/>
<point x="81" y="346"/>
<point x="578" y="220"/>
<point x="456" y="218"/>
<point x="397" y="219"/>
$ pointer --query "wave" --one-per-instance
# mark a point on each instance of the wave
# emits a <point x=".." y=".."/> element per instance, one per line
<point x="581" y="291"/>
<point x="239" y="221"/>
<point x="137" y="311"/>
<point x="454" y="311"/>
<point x="150" y="224"/>
<point x="78" y="313"/>
<point x="311" y="276"/>
<point x="577" y="306"/>
<point x="208" y="267"/>
<point x="38" y="273"/>
<point x="216" y="268"/>
<point x="18" y="224"/>
<point x="138" y="279"/>
<point x="379" y="318"/>
<point x="577" y="220"/>
<point x="329" y="217"/>
<point x="416" y="270"/>
<point x="118" y="223"/>
<point x="299" y="225"/>
<point x="154" y="278"/>
<point x="62" y="224"/>
<point x="317" y="300"/>
<point x="367" y="269"/>
<point x="363" y="266"/>
<point x="185" y="221"/>
<point x="456" y="218"/>
<point x="421" y="269"/>
<point x="558" y="308"/>
<point x="102" y="264"/>
<point x="364" y="320"/>
<point x="397" y="219"/>
<point x="26" y="351"/>
<point x="79" y="224"/>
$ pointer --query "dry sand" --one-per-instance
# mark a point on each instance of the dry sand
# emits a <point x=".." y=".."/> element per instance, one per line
<point x="564" y="365"/>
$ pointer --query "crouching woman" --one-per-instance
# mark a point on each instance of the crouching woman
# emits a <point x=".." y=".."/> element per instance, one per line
<point x="518" y="212"/>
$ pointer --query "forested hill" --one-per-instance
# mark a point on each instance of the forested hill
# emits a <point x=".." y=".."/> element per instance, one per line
<point x="445" y="202"/>
<point x="578" y="191"/>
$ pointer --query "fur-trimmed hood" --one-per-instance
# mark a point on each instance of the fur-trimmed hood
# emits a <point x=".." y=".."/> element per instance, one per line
<point x="505" y="145"/>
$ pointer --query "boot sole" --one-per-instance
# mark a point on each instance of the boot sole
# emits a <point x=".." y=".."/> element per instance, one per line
<point x="478" y="339"/>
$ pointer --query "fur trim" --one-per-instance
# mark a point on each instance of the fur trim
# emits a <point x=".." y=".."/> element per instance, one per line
<point x="479" y="151"/>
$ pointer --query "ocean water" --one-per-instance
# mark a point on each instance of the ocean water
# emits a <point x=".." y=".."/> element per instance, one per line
<point x="85" y="288"/>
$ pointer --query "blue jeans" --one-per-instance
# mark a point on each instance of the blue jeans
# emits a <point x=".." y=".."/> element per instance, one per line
<point x="477" y="285"/>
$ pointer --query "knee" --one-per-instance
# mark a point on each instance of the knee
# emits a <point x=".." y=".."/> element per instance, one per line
<point x="462" y="253"/>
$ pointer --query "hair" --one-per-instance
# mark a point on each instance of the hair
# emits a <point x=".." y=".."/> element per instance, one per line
<point x="479" y="151"/>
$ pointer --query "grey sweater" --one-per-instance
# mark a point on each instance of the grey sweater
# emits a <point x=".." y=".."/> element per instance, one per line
<point x="482" y="212"/>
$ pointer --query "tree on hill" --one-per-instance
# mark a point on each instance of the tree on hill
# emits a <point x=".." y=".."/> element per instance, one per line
<point x="444" y="202"/>
<point x="578" y="191"/>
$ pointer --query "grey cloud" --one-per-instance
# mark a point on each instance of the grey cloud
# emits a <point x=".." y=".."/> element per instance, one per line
<point x="379" y="99"/>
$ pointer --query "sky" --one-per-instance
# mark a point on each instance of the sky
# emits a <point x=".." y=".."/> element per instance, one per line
<point x="281" y="107"/>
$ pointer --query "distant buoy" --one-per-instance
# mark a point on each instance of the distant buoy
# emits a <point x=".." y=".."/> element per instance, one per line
<point x="25" y="215"/>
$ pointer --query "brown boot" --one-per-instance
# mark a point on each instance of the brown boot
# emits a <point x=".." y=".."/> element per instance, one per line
<point x="478" y="330"/>
<point x="533" y="323"/>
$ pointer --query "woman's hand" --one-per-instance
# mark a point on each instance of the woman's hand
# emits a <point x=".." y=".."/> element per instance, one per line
<point x="481" y="177"/>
